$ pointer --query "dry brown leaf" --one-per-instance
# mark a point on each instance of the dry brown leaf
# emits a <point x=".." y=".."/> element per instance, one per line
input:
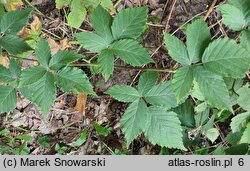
<point x="56" y="46"/>
<point x="25" y="32"/>
<point x="4" y="61"/>
<point x="35" y="28"/>
<point x="36" y="25"/>
<point x="64" y="44"/>
<point x="81" y="103"/>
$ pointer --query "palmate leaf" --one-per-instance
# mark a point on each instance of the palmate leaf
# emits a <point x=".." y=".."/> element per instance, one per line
<point x="182" y="82"/>
<point x="123" y="93"/>
<point x="13" y="22"/>
<point x="106" y="63"/>
<point x="92" y="41"/>
<point x="13" y="44"/>
<point x="147" y="81"/>
<point x="130" y="23"/>
<point x="131" y="52"/>
<point x="161" y="95"/>
<point x="164" y="128"/>
<point x="38" y="85"/>
<point x="176" y="49"/>
<point x="134" y="120"/>
<point x="213" y="88"/>
<point x="198" y="38"/>
<point x="8" y="98"/>
<point x="238" y="121"/>
<point x="246" y="135"/>
<point x="43" y="53"/>
<point x="233" y="17"/>
<point x="226" y="58"/>
<point x="102" y="21"/>
<point x="74" y="80"/>
<point x="62" y="59"/>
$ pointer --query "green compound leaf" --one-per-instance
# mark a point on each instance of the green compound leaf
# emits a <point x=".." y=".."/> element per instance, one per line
<point x="15" y="68"/>
<point x="164" y="128"/>
<point x="244" y="6"/>
<point x="147" y="81"/>
<point x="123" y="93"/>
<point x="37" y="85"/>
<point x="130" y="23"/>
<point x="61" y="3"/>
<point x="32" y="75"/>
<point x="226" y="58"/>
<point x="243" y="100"/>
<point x="62" y="59"/>
<point x="245" y="39"/>
<point x="198" y="38"/>
<point x="77" y="14"/>
<point x="13" y="44"/>
<point x="106" y="63"/>
<point x="74" y="80"/>
<point x="134" y="120"/>
<point x="238" y="149"/>
<point x="238" y="121"/>
<point x="233" y="17"/>
<point x="8" y="98"/>
<point x="92" y="41"/>
<point x="5" y="75"/>
<point x="182" y="82"/>
<point x="212" y="134"/>
<point x="43" y="53"/>
<point x="162" y="95"/>
<point x="185" y="113"/>
<point x="176" y="49"/>
<point x="213" y="88"/>
<point x="246" y="135"/>
<point x="13" y="22"/>
<point x="131" y="52"/>
<point x="102" y="21"/>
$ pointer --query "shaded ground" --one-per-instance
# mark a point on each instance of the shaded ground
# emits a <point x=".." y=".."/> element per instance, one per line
<point x="65" y="123"/>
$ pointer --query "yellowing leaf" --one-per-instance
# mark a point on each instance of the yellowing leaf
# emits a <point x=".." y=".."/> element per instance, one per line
<point x="36" y="25"/>
<point x="12" y="5"/>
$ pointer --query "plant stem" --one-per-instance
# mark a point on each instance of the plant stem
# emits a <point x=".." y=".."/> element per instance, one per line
<point x="82" y="65"/>
<point x="32" y="6"/>
<point x="129" y="68"/>
<point x="146" y="69"/>
<point x="27" y="59"/>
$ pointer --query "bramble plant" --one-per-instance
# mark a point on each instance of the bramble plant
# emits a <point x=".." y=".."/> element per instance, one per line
<point x="207" y="88"/>
<point x="116" y="37"/>
<point x="79" y="8"/>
